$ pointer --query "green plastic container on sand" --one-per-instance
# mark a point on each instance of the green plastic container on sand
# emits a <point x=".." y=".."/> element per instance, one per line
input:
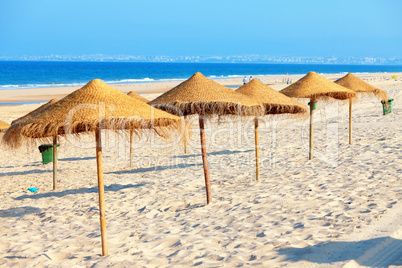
<point x="314" y="106"/>
<point x="47" y="153"/>
<point x="387" y="107"/>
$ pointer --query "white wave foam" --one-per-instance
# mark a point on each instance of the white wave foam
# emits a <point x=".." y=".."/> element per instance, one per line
<point x="25" y="86"/>
<point x="130" y="80"/>
<point x="149" y="80"/>
<point x="9" y="86"/>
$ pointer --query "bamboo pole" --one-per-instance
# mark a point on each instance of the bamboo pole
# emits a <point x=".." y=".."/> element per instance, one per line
<point x="350" y="121"/>
<point x="101" y="191"/>
<point x="131" y="148"/>
<point x="54" y="162"/>
<point x="257" y="150"/>
<point x="312" y="101"/>
<point x="204" y="159"/>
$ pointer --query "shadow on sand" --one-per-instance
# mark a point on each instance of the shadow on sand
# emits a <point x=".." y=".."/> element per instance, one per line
<point x="156" y="168"/>
<point x="77" y="158"/>
<point x="331" y="252"/>
<point x="180" y="165"/>
<point x="213" y="153"/>
<point x="109" y="188"/>
<point x="18" y="212"/>
<point x="27" y="172"/>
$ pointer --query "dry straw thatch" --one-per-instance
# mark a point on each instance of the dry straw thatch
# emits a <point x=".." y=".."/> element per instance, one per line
<point x="200" y="95"/>
<point x="273" y="101"/>
<point x="4" y="126"/>
<point x="354" y="83"/>
<point x="137" y="96"/>
<point x="40" y="108"/>
<point x="314" y="86"/>
<point x="96" y="104"/>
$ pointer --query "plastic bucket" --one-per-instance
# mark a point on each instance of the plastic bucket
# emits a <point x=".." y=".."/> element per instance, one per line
<point x="387" y="107"/>
<point x="314" y="106"/>
<point x="47" y="153"/>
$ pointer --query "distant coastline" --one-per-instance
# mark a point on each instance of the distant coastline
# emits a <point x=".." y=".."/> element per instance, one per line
<point x="253" y="59"/>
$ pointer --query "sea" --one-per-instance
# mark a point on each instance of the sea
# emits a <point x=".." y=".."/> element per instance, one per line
<point x="38" y="74"/>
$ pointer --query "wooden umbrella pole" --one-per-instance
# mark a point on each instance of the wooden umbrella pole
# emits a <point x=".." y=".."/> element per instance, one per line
<point x="185" y="139"/>
<point x="257" y="151"/>
<point x="101" y="191"/>
<point x="350" y="121"/>
<point x="204" y="159"/>
<point x="131" y="148"/>
<point x="311" y="129"/>
<point x="54" y="162"/>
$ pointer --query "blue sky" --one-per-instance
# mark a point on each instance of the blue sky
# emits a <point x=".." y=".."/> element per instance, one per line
<point x="205" y="28"/>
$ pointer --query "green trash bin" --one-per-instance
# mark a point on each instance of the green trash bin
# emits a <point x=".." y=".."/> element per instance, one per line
<point x="387" y="107"/>
<point x="47" y="153"/>
<point x="314" y="106"/>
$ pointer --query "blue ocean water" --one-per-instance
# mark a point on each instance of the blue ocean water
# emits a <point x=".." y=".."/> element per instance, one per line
<point x="33" y="74"/>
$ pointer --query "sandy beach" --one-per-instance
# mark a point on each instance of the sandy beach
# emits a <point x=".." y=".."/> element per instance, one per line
<point x="343" y="208"/>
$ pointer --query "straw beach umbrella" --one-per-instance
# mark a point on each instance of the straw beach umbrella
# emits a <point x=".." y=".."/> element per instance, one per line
<point x="141" y="98"/>
<point x="136" y="96"/>
<point x="203" y="96"/>
<point x="40" y="108"/>
<point x="275" y="103"/>
<point x="4" y="126"/>
<point x="354" y="83"/>
<point x="94" y="107"/>
<point x="37" y="110"/>
<point x="314" y="87"/>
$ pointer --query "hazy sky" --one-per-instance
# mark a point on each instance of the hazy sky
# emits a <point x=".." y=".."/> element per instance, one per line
<point x="206" y="28"/>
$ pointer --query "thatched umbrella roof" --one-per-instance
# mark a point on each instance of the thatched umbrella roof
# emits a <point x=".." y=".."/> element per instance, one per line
<point x="4" y="126"/>
<point x="137" y="96"/>
<point x="354" y="83"/>
<point x="40" y="108"/>
<point x="274" y="102"/>
<point x="314" y="86"/>
<point x="84" y="109"/>
<point x="200" y="95"/>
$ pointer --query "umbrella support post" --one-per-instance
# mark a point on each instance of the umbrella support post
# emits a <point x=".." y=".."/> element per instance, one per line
<point x="311" y="129"/>
<point x="101" y="191"/>
<point x="350" y="121"/>
<point x="131" y="148"/>
<point x="257" y="152"/>
<point x="204" y="159"/>
<point x="54" y="162"/>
